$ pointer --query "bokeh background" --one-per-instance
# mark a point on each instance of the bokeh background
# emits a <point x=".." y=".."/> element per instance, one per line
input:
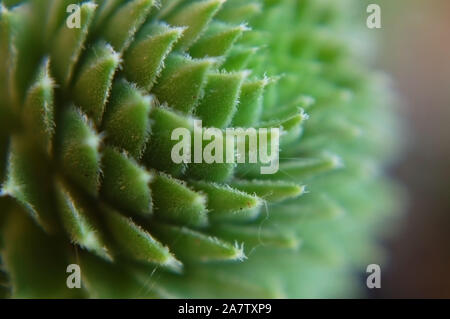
<point x="415" y="51"/>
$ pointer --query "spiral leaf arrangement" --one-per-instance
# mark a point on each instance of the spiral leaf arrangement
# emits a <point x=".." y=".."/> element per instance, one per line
<point x="86" y="116"/>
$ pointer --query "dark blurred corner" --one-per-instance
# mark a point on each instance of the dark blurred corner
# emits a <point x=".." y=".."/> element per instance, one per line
<point x="415" y="38"/>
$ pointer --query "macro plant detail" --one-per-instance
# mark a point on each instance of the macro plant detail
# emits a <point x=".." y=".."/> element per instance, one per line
<point x="86" y="175"/>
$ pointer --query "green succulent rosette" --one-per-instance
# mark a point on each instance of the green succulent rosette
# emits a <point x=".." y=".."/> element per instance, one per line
<point x="86" y="175"/>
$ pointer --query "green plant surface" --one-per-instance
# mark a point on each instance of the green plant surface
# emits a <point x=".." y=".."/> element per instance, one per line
<point x="86" y="175"/>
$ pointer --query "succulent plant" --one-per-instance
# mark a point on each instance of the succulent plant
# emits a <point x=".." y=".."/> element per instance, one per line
<point x="86" y="116"/>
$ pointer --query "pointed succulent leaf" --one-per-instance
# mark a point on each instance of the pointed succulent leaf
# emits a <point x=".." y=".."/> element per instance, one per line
<point x="28" y="181"/>
<point x="297" y="170"/>
<point x="214" y="172"/>
<point x="125" y="183"/>
<point x="68" y="45"/>
<point x="134" y="242"/>
<point x="103" y="12"/>
<point x="221" y="98"/>
<point x="217" y="41"/>
<point x="196" y="17"/>
<point x="182" y="81"/>
<point x="158" y="152"/>
<point x="292" y="121"/>
<point x="121" y="27"/>
<point x="79" y="223"/>
<point x="291" y="125"/>
<point x="306" y="168"/>
<point x="222" y="199"/>
<point x="257" y="236"/>
<point x="38" y="112"/>
<point x="238" y="58"/>
<point x="309" y="208"/>
<point x="300" y="104"/>
<point x="250" y="105"/>
<point x="126" y="122"/>
<point x="212" y="167"/>
<point x="271" y="191"/>
<point x="144" y="60"/>
<point x="175" y="202"/>
<point x="103" y="279"/>
<point x="78" y="150"/>
<point x="93" y="83"/>
<point x="26" y="48"/>
<point x="56" y="12"/>
<point x="192" y="245"/>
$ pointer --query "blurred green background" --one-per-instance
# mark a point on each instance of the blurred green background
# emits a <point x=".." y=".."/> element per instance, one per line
<point x="415" y="52"/>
